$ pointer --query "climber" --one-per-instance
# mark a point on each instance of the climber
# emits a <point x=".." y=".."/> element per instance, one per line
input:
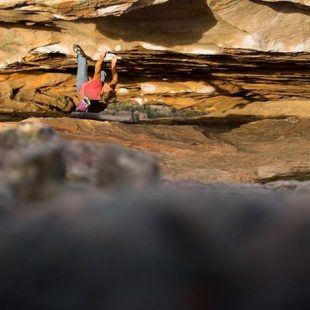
<point x="95" y="94"/>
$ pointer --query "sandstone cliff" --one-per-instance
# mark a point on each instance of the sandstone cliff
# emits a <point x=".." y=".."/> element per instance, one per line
<point x="208" y="55"/>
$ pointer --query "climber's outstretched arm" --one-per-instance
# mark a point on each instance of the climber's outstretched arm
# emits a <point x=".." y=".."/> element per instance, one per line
<point x="98" y="67"/>
<point x="114" y="80"/>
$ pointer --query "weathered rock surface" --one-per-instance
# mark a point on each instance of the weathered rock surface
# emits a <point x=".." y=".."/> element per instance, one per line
<point x="202" y="43"/>
<point x="208" y="151"/>
<point x="198" y="26"/>
<point x="50" y="10"/>
<point x="299" y="2"/>
<point x="203" y="83"/>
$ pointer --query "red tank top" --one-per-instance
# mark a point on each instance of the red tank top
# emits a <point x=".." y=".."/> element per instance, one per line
<point x="91" y="89"/>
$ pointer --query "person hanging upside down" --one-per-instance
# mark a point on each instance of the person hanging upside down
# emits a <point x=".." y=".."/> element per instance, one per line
<point x="94" y="94"/>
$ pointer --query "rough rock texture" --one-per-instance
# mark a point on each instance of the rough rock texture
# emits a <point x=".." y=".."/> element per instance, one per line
<point x="305" y="3"/>
<point x="199" y="43"/>
<point x="195" y="25"/>
<point x="208" y="151"/>
<point x="51" y="10"/>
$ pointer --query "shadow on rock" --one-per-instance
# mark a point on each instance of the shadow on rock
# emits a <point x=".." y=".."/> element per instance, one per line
<point x="161" y="23"/>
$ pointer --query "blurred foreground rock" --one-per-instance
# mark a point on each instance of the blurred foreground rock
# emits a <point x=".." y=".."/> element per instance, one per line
<point x="32" y="161"/>
<point x="242" y="248"/>
<point x="109" y="166"/>
<point x="36" y="162"/>
<point x="134" y="241"/>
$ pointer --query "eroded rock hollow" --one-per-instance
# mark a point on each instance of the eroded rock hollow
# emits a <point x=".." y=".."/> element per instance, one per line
<point x="206" y="55"/>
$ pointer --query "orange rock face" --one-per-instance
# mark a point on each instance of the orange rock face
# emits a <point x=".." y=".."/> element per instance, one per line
<point x="210" y="151"/>
<point x="220" y="46"/>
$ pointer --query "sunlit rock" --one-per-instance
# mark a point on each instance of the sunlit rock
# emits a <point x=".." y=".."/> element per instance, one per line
<point x="231" y="46"/>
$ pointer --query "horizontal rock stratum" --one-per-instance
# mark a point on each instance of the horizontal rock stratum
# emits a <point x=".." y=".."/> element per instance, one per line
<point x="300" y="2"/>
<point x="231" y="46"/>
<point x="261" y="151"/>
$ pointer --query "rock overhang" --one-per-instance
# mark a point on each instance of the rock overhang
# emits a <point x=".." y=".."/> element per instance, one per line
<point x="251" y="45"/>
